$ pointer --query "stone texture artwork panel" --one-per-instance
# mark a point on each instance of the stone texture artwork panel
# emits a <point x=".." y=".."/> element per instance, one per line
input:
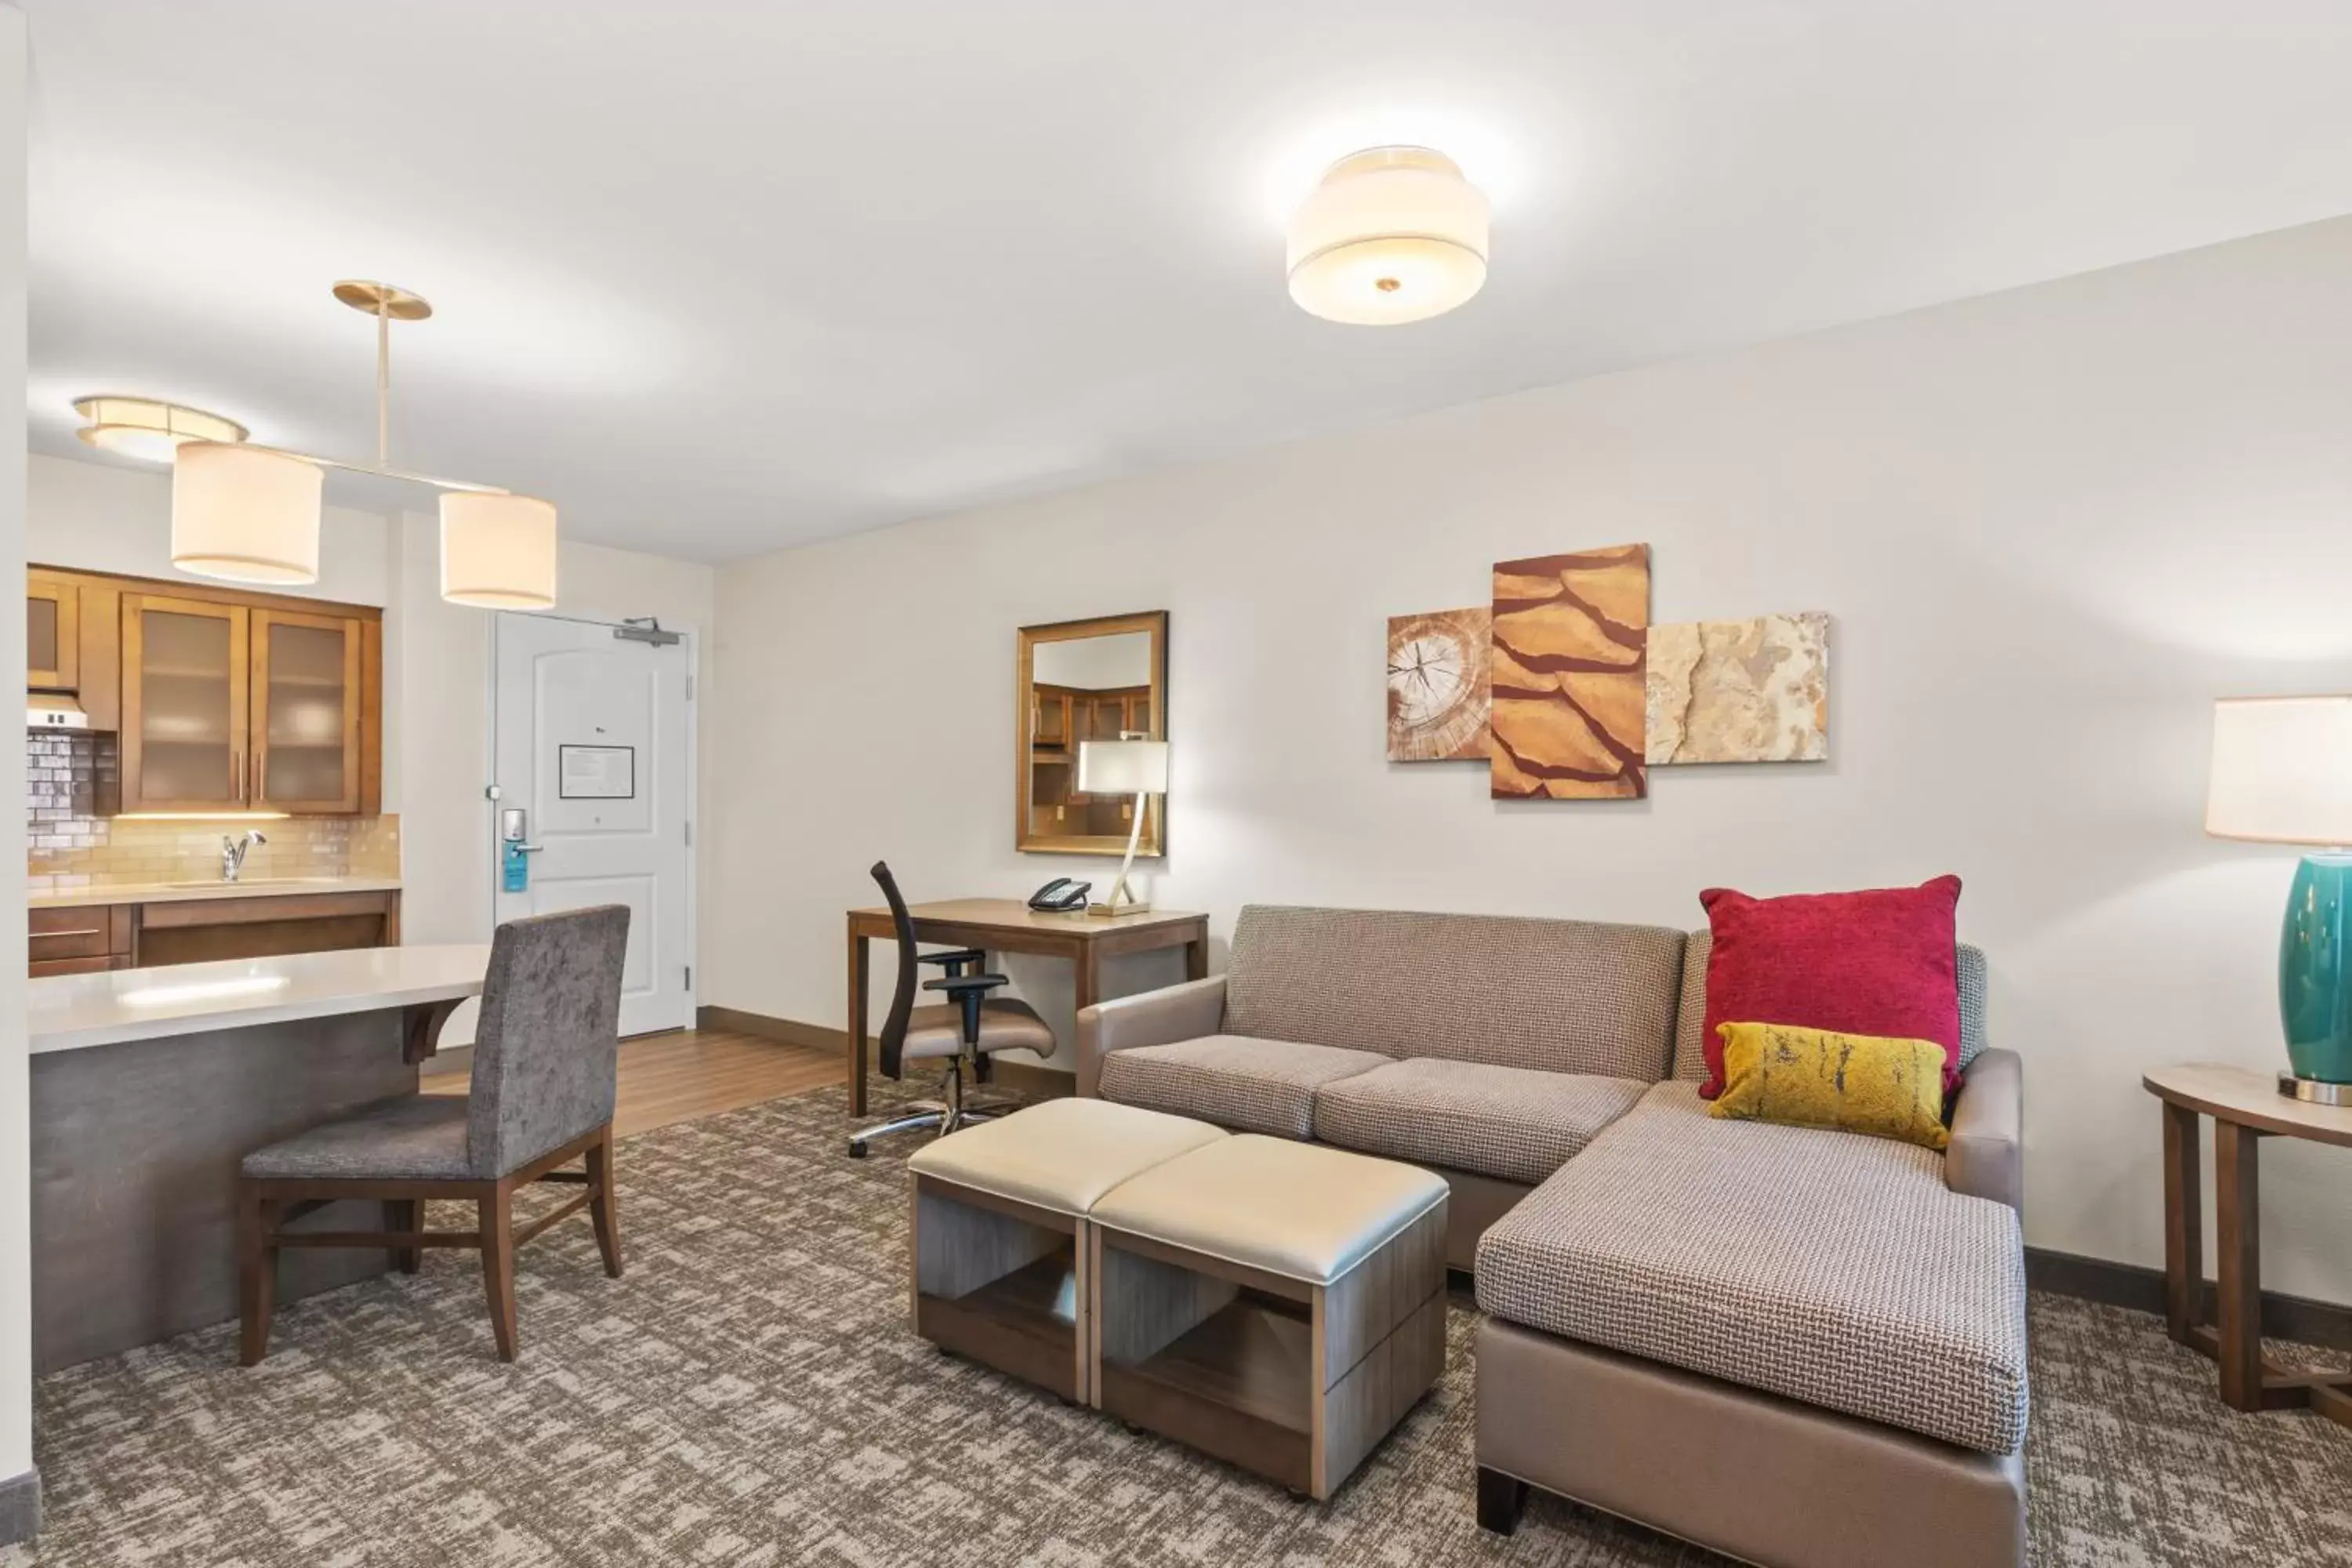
<point x="1438" y="686"/>
<point x="1755" y="690"/>
<point x="1570" y="638"/>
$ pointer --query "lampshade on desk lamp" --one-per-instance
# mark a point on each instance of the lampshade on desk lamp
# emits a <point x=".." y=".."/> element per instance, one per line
<point x="1129" y="765"/>
<point x="2283" y="774"/>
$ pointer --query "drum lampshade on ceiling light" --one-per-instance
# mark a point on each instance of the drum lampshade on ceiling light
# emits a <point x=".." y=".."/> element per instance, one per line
<point x="248" y="513"/>
<point x="1393" y="235"/>
<point x="498" y="552"/>
<point x="245" y="514"/>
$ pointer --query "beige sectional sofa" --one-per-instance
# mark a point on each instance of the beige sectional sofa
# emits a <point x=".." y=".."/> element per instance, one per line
<point x="1795" y="1346"/>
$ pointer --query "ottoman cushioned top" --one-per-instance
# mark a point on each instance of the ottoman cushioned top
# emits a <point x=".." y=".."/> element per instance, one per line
<point x="1825" y="1266"/>
<point x="1293" y="1209"/>
<point x="1061" y="1154"/>
<point x="1251" y="1084"/>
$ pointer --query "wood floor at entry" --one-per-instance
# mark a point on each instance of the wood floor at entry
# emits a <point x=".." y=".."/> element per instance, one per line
<point x="696" y="1073"/>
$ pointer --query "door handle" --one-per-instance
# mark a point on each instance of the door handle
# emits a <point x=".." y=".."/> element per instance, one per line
<point x="525" y="848"/>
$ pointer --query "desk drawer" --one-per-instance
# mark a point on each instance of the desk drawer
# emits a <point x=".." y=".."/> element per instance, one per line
<point x="84" y="932"/>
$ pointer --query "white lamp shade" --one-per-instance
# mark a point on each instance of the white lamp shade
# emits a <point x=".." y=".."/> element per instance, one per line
<point x="1123" y="767"/>
<point x="243" y="515"/>
<point x="1393" y="235"/>
<point x="2282" y="769"/>
<point x="498" y="552"/>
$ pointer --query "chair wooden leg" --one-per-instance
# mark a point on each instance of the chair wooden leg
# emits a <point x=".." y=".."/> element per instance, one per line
<point x="405" y="1214"/>
<point x="497" y="1220"/>
<point x="604" y="1206"/>
<point x="256" y="1273"/>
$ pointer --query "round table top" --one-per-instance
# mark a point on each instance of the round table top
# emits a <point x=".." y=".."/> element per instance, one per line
<point x="2249" y="1098"/>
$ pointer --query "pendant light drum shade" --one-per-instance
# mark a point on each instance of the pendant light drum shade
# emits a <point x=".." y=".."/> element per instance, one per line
<point x="1392" y="235"/>
<point x="498" y="552"/>
<point x="243" y="515"/>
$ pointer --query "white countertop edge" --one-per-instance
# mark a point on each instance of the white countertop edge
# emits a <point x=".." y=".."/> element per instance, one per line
<point x="72" y="1012"/>
<point x="183" y="892"/>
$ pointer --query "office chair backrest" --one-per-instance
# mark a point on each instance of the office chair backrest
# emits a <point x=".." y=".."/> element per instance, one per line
<point x="544" y="1051"/>
<point x="902" y="995"/>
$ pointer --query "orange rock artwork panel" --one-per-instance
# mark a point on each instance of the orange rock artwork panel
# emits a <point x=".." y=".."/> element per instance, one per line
<point x="1570" y="644"/>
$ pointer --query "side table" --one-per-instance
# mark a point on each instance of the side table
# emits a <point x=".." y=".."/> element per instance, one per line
<point x="2246" y="1107"/>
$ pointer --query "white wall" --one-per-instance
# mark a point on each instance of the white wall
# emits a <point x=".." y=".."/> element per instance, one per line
<point x="101" y="517"/>
<point x="15" y="1143"/>
<point x="2051" y="526"/>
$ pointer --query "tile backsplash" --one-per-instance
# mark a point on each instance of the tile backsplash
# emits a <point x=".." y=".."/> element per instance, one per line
<point x="69" y="845"/>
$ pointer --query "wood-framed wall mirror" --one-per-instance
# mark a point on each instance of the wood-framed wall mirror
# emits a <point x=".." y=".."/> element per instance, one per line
<point x="1079" y="682"/>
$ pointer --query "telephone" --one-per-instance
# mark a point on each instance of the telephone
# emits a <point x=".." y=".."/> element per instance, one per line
<point x="1060" y="895"/>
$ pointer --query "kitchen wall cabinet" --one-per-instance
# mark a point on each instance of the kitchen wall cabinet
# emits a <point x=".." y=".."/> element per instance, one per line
<point x="226" y="700"/>
<point x="52" y="633"/>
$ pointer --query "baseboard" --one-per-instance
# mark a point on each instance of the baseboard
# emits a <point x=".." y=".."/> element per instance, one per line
<point x="1030" y="1078"/>
<point x="2296" y="1317"/>
<point x="456" y="1059"/>
<point x="20" y="1507"/>
<point x="760" y="1026"/>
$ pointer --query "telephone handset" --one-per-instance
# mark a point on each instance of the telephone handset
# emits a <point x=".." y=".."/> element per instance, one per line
<point x="1060" y="895"/>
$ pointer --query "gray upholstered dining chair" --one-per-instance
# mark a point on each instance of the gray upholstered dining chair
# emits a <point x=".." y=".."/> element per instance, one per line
<point x="540" y="1096"/>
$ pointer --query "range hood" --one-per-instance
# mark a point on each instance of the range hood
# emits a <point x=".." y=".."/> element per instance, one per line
<point x="53" y="710"/>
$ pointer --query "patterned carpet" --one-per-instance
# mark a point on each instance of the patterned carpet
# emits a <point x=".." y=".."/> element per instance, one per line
<point x="749" y="1395"/>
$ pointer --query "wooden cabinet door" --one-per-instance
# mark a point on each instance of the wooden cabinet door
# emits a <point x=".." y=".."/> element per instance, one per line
<point x="1049" y="719"/>
<point x="52" y="634"/>
<point x="185" y="712"/>
<point x="306" y="701"/>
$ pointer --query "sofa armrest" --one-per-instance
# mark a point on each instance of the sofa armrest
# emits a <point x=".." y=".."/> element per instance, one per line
<point x="1160" y="1017"/>
<point x="1987" y="1157"/>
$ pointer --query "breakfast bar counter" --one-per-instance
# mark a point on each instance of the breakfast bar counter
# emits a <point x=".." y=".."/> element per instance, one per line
<point x="149" y="1086"/>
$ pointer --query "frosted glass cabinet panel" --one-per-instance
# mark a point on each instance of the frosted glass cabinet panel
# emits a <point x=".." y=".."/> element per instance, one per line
<point x="306" y="720"/>
<point x="183" y="704"/>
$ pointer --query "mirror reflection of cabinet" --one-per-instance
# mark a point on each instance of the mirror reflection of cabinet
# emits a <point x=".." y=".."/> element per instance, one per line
<point x="1080" y="682"/>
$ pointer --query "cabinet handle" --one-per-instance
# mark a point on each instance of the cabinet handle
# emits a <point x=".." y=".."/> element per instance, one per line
<point x="261" y="775"/>
<point x="237" y="793"/>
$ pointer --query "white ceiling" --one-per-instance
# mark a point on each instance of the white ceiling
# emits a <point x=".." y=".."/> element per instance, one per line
<point x="718" y="275"/>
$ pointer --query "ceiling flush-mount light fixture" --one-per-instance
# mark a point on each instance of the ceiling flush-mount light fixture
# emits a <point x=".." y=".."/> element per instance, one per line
<point x="142" y="428"/>
<point x="1392" y="235"/>
<point x="249" y="513"/>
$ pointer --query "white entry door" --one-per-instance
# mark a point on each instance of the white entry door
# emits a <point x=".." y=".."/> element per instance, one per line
<point x="592" y="742"/>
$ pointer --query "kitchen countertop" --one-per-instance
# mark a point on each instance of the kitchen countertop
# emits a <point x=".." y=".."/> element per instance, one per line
<point x="68" y="1012"/>
<point x="181" y="892"/>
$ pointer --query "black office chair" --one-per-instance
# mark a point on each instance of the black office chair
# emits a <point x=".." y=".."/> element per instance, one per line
<point x="970" y="1026"/>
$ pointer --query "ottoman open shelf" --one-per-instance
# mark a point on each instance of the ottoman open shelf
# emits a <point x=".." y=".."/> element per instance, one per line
<point x="998" y="1238"/>
<point x="1278" y="1305"/>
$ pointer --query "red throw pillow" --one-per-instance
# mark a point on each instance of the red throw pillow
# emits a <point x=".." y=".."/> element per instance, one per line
<point x="1877" y="963"/>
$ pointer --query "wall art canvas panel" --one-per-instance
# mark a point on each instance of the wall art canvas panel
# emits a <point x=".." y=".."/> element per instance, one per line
<point x="1438" y="686"/>
<point x="1570" y="635"/>
<point x="1741" y="691"/>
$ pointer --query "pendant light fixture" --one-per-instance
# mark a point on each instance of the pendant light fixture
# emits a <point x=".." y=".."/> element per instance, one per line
<point x="248" y="513"/>
<point x="1393" y="235"/>
<point x="142" y="428"/>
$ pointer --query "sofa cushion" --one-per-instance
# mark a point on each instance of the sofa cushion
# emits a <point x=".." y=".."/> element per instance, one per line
<point x="1556" y="995"/>
<point x="1256" y="1085"/>
<point x="1510" y="1122"/>
<point x="1826" y="1268"/>
<point x="1690" y="1026"/>
<point x="1876" y="962"/>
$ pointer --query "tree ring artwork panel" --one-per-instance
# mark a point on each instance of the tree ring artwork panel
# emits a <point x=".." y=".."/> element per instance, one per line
<point x="1570" y="709"/>
<point x="1438" y="686"/>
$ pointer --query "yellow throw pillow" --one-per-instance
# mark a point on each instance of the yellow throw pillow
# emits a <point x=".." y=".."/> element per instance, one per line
<point x="1815" y="1078"/>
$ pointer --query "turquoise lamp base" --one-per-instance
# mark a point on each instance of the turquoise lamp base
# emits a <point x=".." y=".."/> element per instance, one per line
<point x="2315" y="972"/>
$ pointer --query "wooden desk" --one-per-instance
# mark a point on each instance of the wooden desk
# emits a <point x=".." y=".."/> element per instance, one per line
<point x="1010" y="925"/>
<point x="2246" y="1107"/>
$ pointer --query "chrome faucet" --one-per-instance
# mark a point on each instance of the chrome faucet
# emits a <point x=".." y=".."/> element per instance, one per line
<point x="233" y="853"/>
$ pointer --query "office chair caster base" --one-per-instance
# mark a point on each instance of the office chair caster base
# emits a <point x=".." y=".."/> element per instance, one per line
<point x="920" y="1119"/>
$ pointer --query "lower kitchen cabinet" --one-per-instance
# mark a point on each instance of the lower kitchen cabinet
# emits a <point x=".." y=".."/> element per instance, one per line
<point x="90" y="938"/>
